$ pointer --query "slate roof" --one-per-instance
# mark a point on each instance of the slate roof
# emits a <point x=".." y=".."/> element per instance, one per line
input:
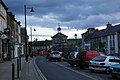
<point x="40" y="43"/>
<point x="106" y="32"/>
<point x="87" y="38"/>
<point x="74" y="39"/>
<point x="3" y="4"/>
<point x="59" y="35"/>
<point x="79" y="41"/>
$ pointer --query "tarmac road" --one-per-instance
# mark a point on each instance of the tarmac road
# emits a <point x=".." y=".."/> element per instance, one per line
<point x="52" y="71"/>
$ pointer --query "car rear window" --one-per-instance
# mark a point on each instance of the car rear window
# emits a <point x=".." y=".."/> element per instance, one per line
<point x="99" y="58"/>
<point x="55" y="53"/>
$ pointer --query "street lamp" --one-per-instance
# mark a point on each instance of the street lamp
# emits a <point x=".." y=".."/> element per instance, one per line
<point x="75" y="36"/>
<point x="26" y="54"/>
<point x="76" y="42"/>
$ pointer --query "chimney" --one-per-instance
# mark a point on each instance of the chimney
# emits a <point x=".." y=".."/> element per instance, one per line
<point x="91" y="30"/>
<point x="109" y="25"/>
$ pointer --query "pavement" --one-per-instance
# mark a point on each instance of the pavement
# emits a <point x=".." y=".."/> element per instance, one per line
<point x="29" y="70"/>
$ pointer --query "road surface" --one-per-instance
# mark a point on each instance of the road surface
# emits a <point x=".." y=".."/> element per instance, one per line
<point x="53" y="71"/>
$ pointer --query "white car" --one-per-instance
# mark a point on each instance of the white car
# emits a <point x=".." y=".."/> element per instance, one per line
<point x="55" y="55"/>
<point x="102" y="63"/>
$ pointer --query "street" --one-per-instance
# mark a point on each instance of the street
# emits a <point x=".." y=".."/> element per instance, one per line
<point x="62" y="71"/>
<point x="53" y="71"/>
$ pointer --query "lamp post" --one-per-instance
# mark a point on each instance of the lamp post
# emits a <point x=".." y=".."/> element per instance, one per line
<point x="76" y="42"/>
<point x="75" y="36"/>
<point x="26" y="54"/>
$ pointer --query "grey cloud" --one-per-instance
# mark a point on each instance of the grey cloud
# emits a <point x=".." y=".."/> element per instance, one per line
<point x="40" y="35"/>
<point x="71" y="13"/>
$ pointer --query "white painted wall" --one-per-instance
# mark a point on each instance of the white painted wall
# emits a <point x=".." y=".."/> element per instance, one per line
<point x="108" y="49"/>
<point x="116" y="42"/>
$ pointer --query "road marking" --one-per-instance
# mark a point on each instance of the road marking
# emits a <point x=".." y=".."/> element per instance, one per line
<point x="39" y="72"/>
<point x="75" y="71"/>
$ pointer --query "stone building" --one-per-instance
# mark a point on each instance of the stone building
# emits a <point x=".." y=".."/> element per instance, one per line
<point x="107" y="40"/>
<point x="59" y="40"/>
<point x="86" y="43"/>
<point x="3" y="25"/>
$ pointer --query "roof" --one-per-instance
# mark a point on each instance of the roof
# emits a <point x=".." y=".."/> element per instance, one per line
<point x="74" y="39"/>
<point x="107" y="31"/>
<point x="59" y="35"/>
<point x="87" y="38"/>
<point x="41" y="43"/>
<point x="3" y="4"/>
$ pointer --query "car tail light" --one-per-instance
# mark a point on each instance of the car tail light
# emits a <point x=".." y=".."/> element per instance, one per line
<point x="102" y="63"/>
<point x="50" y="55"/>
<point x="60" y="55"/>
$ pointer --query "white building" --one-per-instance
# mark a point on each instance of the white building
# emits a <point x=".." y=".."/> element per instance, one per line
<point x="107" y="40"/>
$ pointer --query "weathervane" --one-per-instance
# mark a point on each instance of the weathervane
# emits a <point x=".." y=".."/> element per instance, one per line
<point x="58" y="29"/>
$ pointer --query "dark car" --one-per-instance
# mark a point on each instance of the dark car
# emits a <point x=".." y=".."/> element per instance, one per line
<point x="114" y="70"/>
<point x="73" y="58"/>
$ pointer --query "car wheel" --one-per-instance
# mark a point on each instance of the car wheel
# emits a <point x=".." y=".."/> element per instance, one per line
<point x="81" y="66"/>
<point x="92" y="70"/>
<point x="113" y="76"/>
<point x="71" y="65"/>
<point x="50" y="60"/>
<point x="59" y="60"/>
<point x="107" y="70"/>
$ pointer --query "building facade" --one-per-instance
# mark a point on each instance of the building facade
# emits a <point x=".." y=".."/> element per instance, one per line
<point x="86" y="42"/>
<point x="59" y="41"/>
<point x="3" y="25"/>
<point x="9" y="33"/>
<point x="107" y="40"/>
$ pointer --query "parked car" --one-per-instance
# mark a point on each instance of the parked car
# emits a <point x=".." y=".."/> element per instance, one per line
<point x="55" y="55"/>
<point x="114" y="54"/>
<point x="47" y="56"/>
<point x="73" y="58"/>
<point x="114" y="70"/>
<point x="102" y="63"/>
<point x="86" y="56"/>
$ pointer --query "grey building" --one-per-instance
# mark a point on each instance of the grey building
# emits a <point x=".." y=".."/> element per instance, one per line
<point x="59" y="41"/>
<point x="107" y="40"/>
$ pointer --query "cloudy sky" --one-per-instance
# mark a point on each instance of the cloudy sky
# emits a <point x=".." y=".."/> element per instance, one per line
<point x="74" y="16"/>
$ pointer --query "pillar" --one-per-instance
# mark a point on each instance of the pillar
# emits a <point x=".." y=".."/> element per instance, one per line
<point x="0" y="46"/>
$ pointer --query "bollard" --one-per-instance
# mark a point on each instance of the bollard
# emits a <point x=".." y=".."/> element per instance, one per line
<point x="13" y="71"/>
<point x="20" y="63"/>
<point x="17" y="68"/>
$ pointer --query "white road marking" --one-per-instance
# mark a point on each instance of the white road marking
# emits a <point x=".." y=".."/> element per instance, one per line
<point x="75" y="71"/>
<point x="39" y="72"/>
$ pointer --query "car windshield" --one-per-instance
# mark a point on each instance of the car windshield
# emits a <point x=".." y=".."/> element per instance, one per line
<point x="99" y="58"/>
<point x="73" y="53"/>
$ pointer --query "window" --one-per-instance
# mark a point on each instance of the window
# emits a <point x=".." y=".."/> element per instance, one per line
<point x="111" y="60"/>
<point x="117" y="60"/>
<point x="114" y="60"/>
<point x="99" y="58"/>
